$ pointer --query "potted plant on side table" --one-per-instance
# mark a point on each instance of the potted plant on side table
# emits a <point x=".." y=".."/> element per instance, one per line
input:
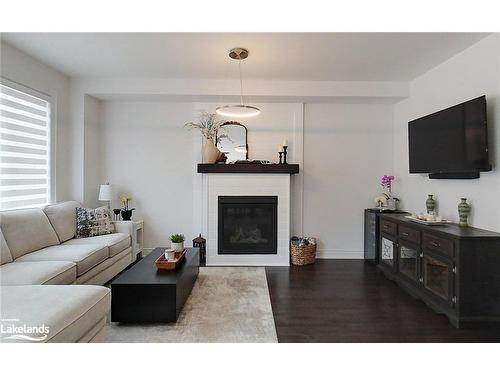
<point x="177" y="242"/>
<point x="126" y="211"/>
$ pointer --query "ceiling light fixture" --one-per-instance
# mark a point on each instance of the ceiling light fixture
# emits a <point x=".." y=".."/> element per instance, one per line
<point x="238" y="110"/>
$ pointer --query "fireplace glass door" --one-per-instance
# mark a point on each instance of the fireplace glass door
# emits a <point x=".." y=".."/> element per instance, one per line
<point x="248" y="225"/>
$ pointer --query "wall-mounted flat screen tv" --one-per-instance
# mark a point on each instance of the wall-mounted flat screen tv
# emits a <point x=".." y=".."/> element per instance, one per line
<point x="452" y="143"/>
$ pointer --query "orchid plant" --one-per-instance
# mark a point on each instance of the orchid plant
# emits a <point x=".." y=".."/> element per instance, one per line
<point x="125" y="200"/>
<point x="386" y="182"/>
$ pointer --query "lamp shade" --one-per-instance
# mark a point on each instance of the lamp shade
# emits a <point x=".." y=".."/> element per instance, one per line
<point x="106" y="192"/>
<point x="237" y="110"/>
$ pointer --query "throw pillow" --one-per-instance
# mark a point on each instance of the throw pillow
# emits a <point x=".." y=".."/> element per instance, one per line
<point x="93" y="222"/>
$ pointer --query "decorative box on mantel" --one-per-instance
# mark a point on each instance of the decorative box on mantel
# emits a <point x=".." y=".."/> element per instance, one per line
<point x="246" y="213"/>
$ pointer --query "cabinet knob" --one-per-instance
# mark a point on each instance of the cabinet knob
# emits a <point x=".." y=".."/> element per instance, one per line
<point x="421" y="255"/>
<point x="404" y="234"/>
<point x="421" y="279"/>
<point x="435" y="244"/>
<point x="454" y="299"/>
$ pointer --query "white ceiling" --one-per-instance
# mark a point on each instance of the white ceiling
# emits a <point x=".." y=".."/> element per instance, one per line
<point x="276" y="56"/>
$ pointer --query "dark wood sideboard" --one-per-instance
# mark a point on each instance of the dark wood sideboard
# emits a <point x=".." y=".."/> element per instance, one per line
<point x="454" y="270"/>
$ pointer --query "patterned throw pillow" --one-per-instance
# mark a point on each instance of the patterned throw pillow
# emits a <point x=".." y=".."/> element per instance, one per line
<point x="93" y="222"/>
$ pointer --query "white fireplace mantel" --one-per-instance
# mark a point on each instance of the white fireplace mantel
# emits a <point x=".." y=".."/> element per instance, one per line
<point x="246" y="184"/>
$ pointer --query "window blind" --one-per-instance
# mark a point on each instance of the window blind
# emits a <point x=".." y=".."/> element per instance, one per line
<point x="24" y="149"/>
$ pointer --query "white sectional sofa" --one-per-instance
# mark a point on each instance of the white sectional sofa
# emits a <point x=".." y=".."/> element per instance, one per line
<point x="40" y="262"/>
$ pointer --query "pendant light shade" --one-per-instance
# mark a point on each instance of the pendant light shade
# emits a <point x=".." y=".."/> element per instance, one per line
<point x="238" y="110"/>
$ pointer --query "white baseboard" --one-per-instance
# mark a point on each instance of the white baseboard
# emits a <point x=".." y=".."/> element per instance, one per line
<point x="340" y="254"/>
<point x="254" y="260"/>
<point x="320" y="254"/>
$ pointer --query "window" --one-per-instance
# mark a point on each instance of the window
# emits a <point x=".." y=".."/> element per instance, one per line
<point x="25" y="148"/>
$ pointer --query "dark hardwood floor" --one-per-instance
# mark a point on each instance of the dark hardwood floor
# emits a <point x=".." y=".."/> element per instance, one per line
<point x="349" y="301"/>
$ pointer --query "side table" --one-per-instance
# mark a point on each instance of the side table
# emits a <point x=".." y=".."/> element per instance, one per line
<point x="139" y="237"/>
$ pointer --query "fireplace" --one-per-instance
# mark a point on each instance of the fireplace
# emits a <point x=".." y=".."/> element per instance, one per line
<point x="247" y="225"/>
<point x="223" y="190"/>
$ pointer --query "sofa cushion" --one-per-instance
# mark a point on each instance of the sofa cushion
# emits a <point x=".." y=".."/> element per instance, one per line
<point x="27" y="230"/>
<point x="68" y="311"/>
<point x="85" y="256"/>
<point x="116" y="242"/>
<point x="37" y="273"/>
<point x="102" y="270"/>
<point x="93" y="222"/>
<point x="5" y="255"/>
<point x="62" y="216"/>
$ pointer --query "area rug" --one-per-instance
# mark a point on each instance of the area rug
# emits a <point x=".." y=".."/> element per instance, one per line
<point x="227" y="304"/>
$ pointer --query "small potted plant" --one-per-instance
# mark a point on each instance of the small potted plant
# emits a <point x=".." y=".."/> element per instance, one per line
<point x="177" y="242"/>
<point x="126" y="210"/>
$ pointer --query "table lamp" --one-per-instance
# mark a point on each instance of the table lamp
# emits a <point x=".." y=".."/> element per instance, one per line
<point x="106" y="193"/>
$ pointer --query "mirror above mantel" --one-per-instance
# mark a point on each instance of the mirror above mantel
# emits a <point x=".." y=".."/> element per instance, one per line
<point x="233" y="141"/>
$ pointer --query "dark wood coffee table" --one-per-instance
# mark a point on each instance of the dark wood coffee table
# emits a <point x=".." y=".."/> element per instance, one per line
<point x="144" y="294"/>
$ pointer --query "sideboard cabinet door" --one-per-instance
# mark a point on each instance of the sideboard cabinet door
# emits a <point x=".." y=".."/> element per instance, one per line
<point x="408" y="262"/>
<point x="388" y="252"/>
<point x="438" y="277"/>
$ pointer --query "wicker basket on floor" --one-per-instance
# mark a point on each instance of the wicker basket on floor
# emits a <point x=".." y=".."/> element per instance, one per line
<point x="302" y="255"/>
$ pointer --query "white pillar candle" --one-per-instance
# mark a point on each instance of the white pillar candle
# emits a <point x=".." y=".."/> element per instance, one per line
<point x="285" y="142"/>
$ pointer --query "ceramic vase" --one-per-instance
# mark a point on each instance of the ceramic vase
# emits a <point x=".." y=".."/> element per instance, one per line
<point x="177" y="246"/>
<point x="430" y="204"/>
<point x="392" y="204"/>
<point x="463" y="212"/>
<point x="210" y="152"/>
<point x="169" y="255"/>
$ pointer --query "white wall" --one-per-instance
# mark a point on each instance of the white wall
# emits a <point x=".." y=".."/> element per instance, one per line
<point x="147" y="154"/>
<point x="282" y="113"/>
<point x="221" y="90"/>
<point x="92" y="152"/>
<point x="21" y="68"/>
<point x="472" y="73"/>
<point x="347" y="148"/>
<point x="342" y="150"/>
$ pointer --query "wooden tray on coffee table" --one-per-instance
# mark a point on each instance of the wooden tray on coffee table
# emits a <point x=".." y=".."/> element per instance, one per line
<point x="163" y="264"/>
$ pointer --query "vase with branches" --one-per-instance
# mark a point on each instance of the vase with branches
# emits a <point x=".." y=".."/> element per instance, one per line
<point x="210" y="129"/>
